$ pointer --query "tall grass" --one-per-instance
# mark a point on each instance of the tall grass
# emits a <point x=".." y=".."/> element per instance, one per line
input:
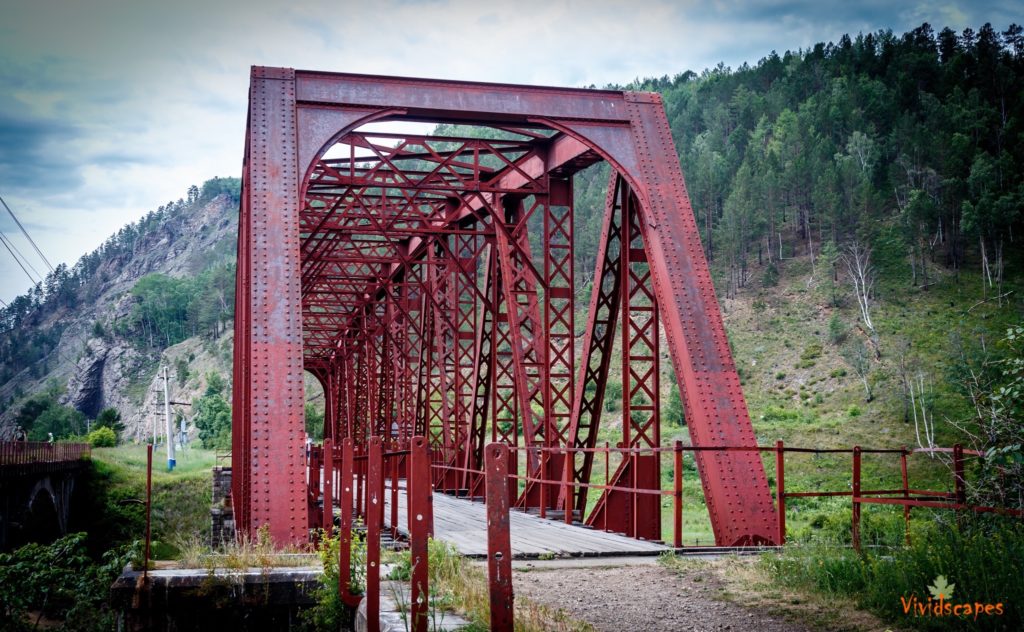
<point x="982" y="559"/>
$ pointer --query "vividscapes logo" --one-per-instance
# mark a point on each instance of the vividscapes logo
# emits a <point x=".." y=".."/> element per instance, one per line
<point x="941" y="604"/>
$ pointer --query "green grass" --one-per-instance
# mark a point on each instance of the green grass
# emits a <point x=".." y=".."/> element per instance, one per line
<point x="132" y="457"/>
<point x="981" y="561"/>
<point x="181" y="499"/>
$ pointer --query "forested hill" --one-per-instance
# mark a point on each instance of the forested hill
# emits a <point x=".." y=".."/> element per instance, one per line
<point x="914" y="140"/>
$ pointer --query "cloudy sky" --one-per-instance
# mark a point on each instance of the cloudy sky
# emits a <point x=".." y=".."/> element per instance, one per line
<point x="110" y="108"/>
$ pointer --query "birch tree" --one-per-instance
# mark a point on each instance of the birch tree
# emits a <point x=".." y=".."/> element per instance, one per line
<point x="857" y="259"/>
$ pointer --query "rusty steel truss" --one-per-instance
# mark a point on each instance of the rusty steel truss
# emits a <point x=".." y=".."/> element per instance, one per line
<point x="428" y="283"/>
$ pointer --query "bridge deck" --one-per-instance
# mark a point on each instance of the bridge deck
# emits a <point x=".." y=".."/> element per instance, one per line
<point x="463" y="523"/>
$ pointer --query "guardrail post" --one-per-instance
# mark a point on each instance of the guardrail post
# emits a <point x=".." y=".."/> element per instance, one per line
<point x="313" y="485"/>
<point x="568" y="463"/>
<point x="906" y="494"/>
<point x="856" y="498"/>
<point x="374" y="517"/>
<point x="328" y="512"/>
<point x="346" y="502"/>
<point x="419" y="502"/>
<point x="607" y="478"/>
<point x="499" y="543"/>
<point x="359" y="470"/>
<point x="780" y="488"/>
<point x="958" y="472"/>
<point x="960" y="483"/>
<point x="677" y="495"/>
<point x="543" y="469"/>
<point x="395" y="460"/>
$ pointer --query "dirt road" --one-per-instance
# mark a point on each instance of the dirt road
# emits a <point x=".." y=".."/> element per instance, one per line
<point x="642" y="596"/>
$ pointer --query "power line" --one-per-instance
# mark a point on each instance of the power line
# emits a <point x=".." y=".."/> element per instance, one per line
<point x="18" y="260"/>
<point x="27" y="236"/>
<point x="21" y="254"/>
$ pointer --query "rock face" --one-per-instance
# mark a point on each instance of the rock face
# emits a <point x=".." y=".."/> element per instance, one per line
<point x="102" y="369"/>
<point x="101" y="378"/>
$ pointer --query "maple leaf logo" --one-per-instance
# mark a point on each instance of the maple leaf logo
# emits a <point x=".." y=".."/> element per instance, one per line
<point x="940" y="589"/>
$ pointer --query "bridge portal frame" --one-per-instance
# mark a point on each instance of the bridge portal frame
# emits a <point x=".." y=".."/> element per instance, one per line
<point x="650" y="246"/>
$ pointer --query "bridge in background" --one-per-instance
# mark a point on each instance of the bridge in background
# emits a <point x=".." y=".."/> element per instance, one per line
<point x="36" y="483"/>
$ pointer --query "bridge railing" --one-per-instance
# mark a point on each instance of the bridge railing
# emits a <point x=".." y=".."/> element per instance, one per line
<point x="24" y="453"/>
<point x="549" y="493"/>
<point x="356" y="479"/>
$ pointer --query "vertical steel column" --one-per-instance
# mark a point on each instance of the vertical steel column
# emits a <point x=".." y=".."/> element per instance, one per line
<point x="598" y="340"/>
<point x="636" y="514"/>
<point x="270" y="349"/>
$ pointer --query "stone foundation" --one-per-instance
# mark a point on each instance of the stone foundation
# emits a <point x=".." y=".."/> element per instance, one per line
<point x="222" y="516"/>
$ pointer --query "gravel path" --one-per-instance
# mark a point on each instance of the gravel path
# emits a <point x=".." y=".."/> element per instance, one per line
<point x="643" y="597"/>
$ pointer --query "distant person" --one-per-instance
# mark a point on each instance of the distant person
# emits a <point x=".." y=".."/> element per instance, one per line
<point x="50" y="440"/>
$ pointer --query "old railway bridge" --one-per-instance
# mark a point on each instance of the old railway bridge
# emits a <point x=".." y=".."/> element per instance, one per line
<point x="427" y="281"/>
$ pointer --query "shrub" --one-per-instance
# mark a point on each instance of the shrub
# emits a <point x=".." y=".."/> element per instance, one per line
<point x="102" y="437"/>
<point x="775" y="413"/>
<point x="812" y="352"/>
<point x="837" y="330"/>
<point x="59" y="581"/>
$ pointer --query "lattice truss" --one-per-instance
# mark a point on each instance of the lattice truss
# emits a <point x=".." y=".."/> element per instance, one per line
<point x="427" y="282"/>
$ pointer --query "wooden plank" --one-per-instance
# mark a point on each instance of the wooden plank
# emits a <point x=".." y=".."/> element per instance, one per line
<point x="463" y="523"/>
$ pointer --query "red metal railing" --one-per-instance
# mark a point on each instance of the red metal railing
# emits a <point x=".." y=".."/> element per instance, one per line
<point x="356" y="480"/>
<point x="36" y="454"/>
<point x="554" y="491"/>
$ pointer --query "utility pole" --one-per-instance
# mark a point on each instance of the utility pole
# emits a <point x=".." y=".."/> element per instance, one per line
<point x="167" y="420"/>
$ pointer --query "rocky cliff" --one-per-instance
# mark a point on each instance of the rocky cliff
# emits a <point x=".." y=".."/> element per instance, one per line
<point x="99" y="365"/>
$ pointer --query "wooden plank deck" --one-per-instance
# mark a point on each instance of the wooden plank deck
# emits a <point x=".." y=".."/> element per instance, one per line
<point x="463" y="523"/>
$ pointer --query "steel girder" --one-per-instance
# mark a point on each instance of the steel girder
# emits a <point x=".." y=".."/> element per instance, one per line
<point x="428" y="283"/>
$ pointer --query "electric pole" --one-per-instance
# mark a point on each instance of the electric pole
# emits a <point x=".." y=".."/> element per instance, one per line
<point x="167" y="420"/>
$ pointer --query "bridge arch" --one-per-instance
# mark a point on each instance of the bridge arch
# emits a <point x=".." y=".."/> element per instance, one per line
<point x="43" y="517"/>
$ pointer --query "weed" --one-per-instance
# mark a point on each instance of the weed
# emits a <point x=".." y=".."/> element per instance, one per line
<point x="981" y="560"/>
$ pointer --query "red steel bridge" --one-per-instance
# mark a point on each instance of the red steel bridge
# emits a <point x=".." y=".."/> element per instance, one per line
<point x="428" y="283"/>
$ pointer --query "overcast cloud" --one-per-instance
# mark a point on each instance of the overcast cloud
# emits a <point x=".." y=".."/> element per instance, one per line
<point x="110" y="108"/>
